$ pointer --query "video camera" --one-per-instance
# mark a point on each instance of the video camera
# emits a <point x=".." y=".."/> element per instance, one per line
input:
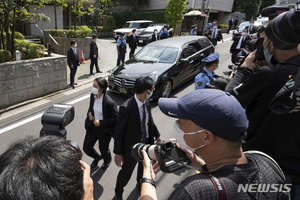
<point x="54" y="121"/>
<point x="273" y="11"/>
<point x="168" y="155"/>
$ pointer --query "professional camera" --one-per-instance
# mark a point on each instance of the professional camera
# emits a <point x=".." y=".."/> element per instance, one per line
<point x="273" y="11"/>
<point x="209" y="86"/>
<point x="54" y="121"/>
<point x="169" y="157"/>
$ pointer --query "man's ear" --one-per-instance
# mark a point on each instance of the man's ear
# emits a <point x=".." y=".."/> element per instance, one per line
<point x="209" y="138"/>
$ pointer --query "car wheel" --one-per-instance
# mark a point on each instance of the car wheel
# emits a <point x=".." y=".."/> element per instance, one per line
<point x="166" y="89"/>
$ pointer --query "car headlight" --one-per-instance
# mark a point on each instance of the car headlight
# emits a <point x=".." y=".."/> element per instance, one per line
<point x="153" y="76"/>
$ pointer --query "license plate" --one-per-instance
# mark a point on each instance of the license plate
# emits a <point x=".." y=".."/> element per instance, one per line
<point x="122" y="90"/>
<point x="141" y="41"/>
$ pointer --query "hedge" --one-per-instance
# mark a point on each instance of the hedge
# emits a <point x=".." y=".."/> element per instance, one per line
<point x="5" y="56"/>
<point x="18" y="36"/>
<point x="224" y="26"/>
<point x="33" y="50"/>
<point x="81" y="32"/>
<point x="155" y="16"/>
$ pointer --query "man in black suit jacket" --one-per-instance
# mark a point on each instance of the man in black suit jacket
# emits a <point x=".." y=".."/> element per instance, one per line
<point x="73" y="61"/>
<point x="230" y="23"/>
<point x="130" y="130"/>
<point x="155" y="35"/>
<point x="216" y="34"/>
<point x="100" y="123"/>
<point x="238" y="44"/>
<point x="236" y="22"/>
<point x="132" y="43"/>
<point x="251" y="28"/>
<point x="94" y="55"/>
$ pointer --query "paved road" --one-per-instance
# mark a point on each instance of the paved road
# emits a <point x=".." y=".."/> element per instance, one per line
<point x="13" y="124"/>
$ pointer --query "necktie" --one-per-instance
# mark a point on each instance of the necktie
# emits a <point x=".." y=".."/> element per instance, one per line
<point x="143" y="125"/>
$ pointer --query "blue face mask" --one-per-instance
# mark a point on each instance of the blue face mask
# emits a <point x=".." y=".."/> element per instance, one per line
<point x="268" y="54"/>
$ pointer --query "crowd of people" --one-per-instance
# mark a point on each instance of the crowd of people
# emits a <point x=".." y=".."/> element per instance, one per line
<point x="216" y="129"/>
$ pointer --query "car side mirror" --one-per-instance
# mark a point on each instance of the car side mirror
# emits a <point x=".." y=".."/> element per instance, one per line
<point x="184" y="61"/>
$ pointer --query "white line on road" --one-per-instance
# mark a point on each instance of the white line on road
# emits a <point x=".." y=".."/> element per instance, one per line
<point x="38" y="116"/>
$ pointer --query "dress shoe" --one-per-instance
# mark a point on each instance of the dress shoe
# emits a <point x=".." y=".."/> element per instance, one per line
<point x="105" y="165"/>
<point x="74" y="83"/>
<point x="95" y="162"/>
<point x="73" y="86"/>
<point x="91" y="74"/>
<point x="99" y="71"/>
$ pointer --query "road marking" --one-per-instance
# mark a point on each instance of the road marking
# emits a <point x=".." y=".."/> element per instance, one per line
<point x="38" y="116"/>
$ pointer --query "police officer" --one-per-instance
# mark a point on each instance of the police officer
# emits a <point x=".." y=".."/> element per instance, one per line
<point x="121" y="48"/>
<point x="207" y="75"/>
<point x="194" y="30"/>
<point x="164" y="33"/>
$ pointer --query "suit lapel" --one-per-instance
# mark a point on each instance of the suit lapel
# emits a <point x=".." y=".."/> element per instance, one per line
<point x="104" y="106"/>
<point x="136" y="112"/>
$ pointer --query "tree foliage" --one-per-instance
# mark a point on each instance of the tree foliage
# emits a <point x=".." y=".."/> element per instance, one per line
<point x="266" y="3"/>
<point x="101" y="9"/>
<point x="135" y="4"/>
<point x="78" y="10"/>
<point x="174" y="11"/>
<point x="251" y="8"/>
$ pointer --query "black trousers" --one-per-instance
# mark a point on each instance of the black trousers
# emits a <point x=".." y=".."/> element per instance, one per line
<point x="94" y="61"/>
<point x="121" y="57"/>
<point x="72" y="74"/>
<point x="233" y="55"/>
<point x="103" y="136"/>
<point x="131" y="53"/>
<point x="126" y="171"/>
<point x="229" y="28"/>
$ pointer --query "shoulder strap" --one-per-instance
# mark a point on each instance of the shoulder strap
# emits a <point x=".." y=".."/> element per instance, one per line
<point x="210" y="78"/>
<point x="219" y="186"/>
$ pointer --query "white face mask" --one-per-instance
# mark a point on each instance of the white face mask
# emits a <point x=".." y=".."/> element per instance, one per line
<point x="244" y="34"/>
<point x="217" y="66"/>
<point x="75" y="45"/>
<point x="251" y="24"/>
<point x="155" y="32"/>
<point x="95" y="91"/>
<point x="215" y="27"/>
<point x="149" y="95"/>
<point x="178" y="134"/>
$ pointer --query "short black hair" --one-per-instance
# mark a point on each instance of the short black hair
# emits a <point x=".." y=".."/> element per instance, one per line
<point x="95" y="36"/>
<point x="41" y="168"/>
<point x="143" y="84"/>
<point x="102" y="82"/>
<point x="133" y="30"/>
<point x="73" y="42"/>
<point x="208" y="64"/>
<point x="221" y="83"/>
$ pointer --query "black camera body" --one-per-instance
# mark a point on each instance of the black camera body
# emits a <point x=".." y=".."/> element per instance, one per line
<point x="168" y="155"/>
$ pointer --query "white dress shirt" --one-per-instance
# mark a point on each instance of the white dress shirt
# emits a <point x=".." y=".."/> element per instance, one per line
<point x="140" y="107"/>
<point x="98" y="111"/>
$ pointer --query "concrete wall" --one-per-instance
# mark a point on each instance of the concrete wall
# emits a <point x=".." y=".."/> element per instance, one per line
<point x="83" y="44"/>
<point x="28" y="79"/>
<point x="48" y="11"/>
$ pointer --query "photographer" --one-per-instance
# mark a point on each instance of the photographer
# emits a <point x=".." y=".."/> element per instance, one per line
<point x="212" y="125"/>
<point x="274" y="134"/>
<point x="44" y="168"/>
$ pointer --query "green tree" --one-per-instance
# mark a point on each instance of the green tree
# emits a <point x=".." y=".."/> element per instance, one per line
<point x="266" y="3"/>
<point x="101" y="9"/>
<point x="248" y="7"/>
<point x="135" y="4"/>
<point x="14" y="10"/>
<point x="58" y="3"/>
<point x="174" y="11"/>
<point x="78" y="10"/>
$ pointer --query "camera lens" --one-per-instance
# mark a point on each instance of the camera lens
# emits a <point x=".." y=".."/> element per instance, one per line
<point x="136" y="151"/>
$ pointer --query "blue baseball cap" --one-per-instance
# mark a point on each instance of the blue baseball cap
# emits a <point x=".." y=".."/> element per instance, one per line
<point x="211" y="109"/>
<point x="212" y="57"/>
<point x="122" y="33"/>
<point x="194" y="25"/>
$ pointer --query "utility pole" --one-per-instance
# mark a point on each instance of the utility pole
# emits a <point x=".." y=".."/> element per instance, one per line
<point x="203" y="5"/>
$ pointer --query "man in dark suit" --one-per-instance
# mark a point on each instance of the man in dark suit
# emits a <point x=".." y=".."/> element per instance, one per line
<point x="135" y="124"/>
<point x="230" y="23"/>
<point x="251" y="28"/>
<point x="73" y="61"/>
<point x="132" y="43"/>
<point x="154" y="35"/>
<point x="94" y="55"/>
<point x="238" y="44"/>
<point x="216" y="34"/>
<point x="236" y="22"/>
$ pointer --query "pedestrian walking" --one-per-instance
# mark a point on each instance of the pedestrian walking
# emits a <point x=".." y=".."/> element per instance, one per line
<point x="154" y="35"/>
<point x="94" y="56"/>
<point x="73" y="61"/>
<point x="121" y="48"/>
<point x="230" y="23"/>
<point x="216" y="34"/>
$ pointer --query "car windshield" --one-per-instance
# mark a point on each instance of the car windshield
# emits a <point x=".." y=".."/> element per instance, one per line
<point x="157" y="54"/>
<point x="131" y="25"/>
<point x="244" y="24"/>
<point x="151" y="28"/>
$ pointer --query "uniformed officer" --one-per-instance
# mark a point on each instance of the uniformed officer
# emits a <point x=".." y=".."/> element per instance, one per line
<point x="121" y="48"/>
<point x="194" y="30"/>
<point x="164" y="33"/>
<point x="207" y="75"/>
